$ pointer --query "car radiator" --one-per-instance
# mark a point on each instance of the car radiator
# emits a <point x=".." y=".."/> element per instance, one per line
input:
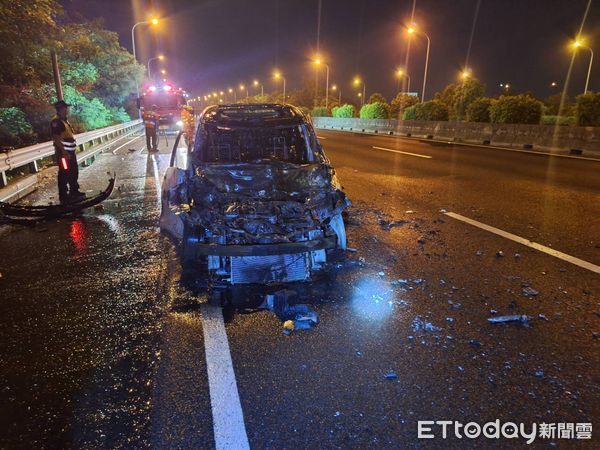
<point x="268" y="269"/>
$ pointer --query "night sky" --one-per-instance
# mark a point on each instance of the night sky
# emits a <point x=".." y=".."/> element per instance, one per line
<point x="215" y="44"/>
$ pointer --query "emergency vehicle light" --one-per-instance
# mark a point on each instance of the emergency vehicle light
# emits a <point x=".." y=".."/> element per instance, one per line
<point x="167" y="87"/>
<point x="152" y="88"/>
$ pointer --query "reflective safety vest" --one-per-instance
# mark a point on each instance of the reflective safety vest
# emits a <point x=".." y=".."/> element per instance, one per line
<point x="64" y="131"/>
<point x="150" y="119"/>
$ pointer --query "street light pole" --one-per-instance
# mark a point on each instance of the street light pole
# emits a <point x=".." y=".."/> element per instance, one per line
<point x="143" y="22"/>
<point x="587" y="80"/>
<point x="412" y="30"/>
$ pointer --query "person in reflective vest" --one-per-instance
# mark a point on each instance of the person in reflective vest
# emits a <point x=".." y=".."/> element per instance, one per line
<point x="65" y="152"/>
<point x="151" y="126"/>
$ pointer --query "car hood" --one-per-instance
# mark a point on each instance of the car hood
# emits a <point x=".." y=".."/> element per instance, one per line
<point x="262" y="203"/>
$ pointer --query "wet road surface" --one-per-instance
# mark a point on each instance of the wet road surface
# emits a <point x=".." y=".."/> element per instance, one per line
<point x="102" y="343"/>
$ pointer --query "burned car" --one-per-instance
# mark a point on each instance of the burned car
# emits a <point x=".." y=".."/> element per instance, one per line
<point x="255" y="199"/>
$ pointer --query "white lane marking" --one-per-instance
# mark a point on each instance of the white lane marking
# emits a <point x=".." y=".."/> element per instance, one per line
<point x="114" y="152"/>
<point x="528" y="243"/>
<point x="466" y="144"/>
<point x="403" y="153"/>
<point x="228" y="418"/>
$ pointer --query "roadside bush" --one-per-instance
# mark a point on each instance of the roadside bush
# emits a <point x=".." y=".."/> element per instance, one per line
<point x="479" y="110"/>
<point x="587" y="109"/>
<point x="344" y="112"/>
<point x="409" y="113"/>
<point x="320" y="111"/>
<point x="558" y="120"/>
<point x="516" y="109"/>
<point x="118" y="115"/>
<point x="377" y="97"/>
<point x="431" y="110"/>
<point x="402" y="101"/>
<point x="376" y="110"/>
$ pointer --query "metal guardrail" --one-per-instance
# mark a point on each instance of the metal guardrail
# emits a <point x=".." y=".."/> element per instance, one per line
<point x="20" y="157"/>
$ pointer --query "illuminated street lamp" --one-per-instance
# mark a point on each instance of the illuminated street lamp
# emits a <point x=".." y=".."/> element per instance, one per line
<point x="465" y="74"/>
<point x="257" y="83"/>
<point x="277" y="76"/>
<point x="413" y="30"/>
<point x="357" y="81"/>
<point x="153" y="21"/>
<point x="579" y="43"/>
<point x="159" y="57"/>
<point x="401" y="73"/>
<point x="232" y="91"/>
<point x="335" y="88"/>
<point x="319" y="62"/>
<point x="242" y="88"/>
<point x="505" y="86"/>
<point x="163" y="71"/>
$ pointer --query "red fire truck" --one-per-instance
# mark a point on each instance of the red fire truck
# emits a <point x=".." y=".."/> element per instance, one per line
<point x="169" y="101"/>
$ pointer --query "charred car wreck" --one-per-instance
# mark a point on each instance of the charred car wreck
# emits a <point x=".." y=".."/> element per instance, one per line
<point x="256" y="199"/>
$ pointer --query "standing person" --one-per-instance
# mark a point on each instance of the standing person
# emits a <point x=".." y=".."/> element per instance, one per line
<point x="65" y="151"/>
<point x="151" y="126"/>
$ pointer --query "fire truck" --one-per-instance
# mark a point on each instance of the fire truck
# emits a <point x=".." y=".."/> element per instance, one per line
<point x="169" y="101"/>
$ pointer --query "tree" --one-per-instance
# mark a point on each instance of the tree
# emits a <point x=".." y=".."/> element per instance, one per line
<point x="464" y="94"/>
<point x="516" y="109"/>
<point x="446" y="96"/>
<point x="27" y="29"/>
<point x="431" y="110"/>
<point x="552" y="105"/>
<point x="320" y="111"/>
<point x="344" y="111"/>
<point x="88" y="44"/>
<point x="377" y="98"/>
<point x="375" y="110"/>
<point x="479" y="110"/>
<point x="400" y="102"/>
<point x="588" y="109"/>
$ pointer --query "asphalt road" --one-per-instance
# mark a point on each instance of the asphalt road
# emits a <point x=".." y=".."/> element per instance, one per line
<point x="104" y="342"/>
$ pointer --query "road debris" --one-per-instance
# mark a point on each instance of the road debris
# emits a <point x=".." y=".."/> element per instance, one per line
<point x="512" y="318"/>
<point x="499" y="254"/>
<point x="419" y="324"/>
<point x="391" y="375"/>
<point x="388" y="225"/>
<point x="528" y="291"/>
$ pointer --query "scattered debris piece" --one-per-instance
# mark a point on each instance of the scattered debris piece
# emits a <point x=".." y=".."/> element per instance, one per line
<point x="474" y="343"/>
<point x="443" y="211"/>
<point x="421" y="240"/>
<point x="528" y="291"/>
<point x="131" y="150"/>
<point x="461" y="369"/>
<point x="410" y="211"/>
<point x="539" y="373"/>
<point x="499" y="254"/>
<point x="517" y="255"/>
<point x="542" y="316"/>
<point x="381" y="274"/>
<point x="493" y="311"/>
<point x="391" y="375"/>
<point x="351" y="250"/>
<point x="388" y="225"/>
<point x="596" y="335"/>
<point x="512" y="318"/>
<point x="399" y="282"/>
<point x="478" y="253"/>
<point x="418" y="281"/>
<point x="419" y="324"/>
<point x="450" y="319"/>
<point x="99" y="207"/>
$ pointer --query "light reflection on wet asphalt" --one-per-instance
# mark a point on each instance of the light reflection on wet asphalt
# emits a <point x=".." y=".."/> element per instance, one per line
<point x="102" y="346"/>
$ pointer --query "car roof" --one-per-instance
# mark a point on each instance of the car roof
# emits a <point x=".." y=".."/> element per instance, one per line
<point x="253" y="114"/>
